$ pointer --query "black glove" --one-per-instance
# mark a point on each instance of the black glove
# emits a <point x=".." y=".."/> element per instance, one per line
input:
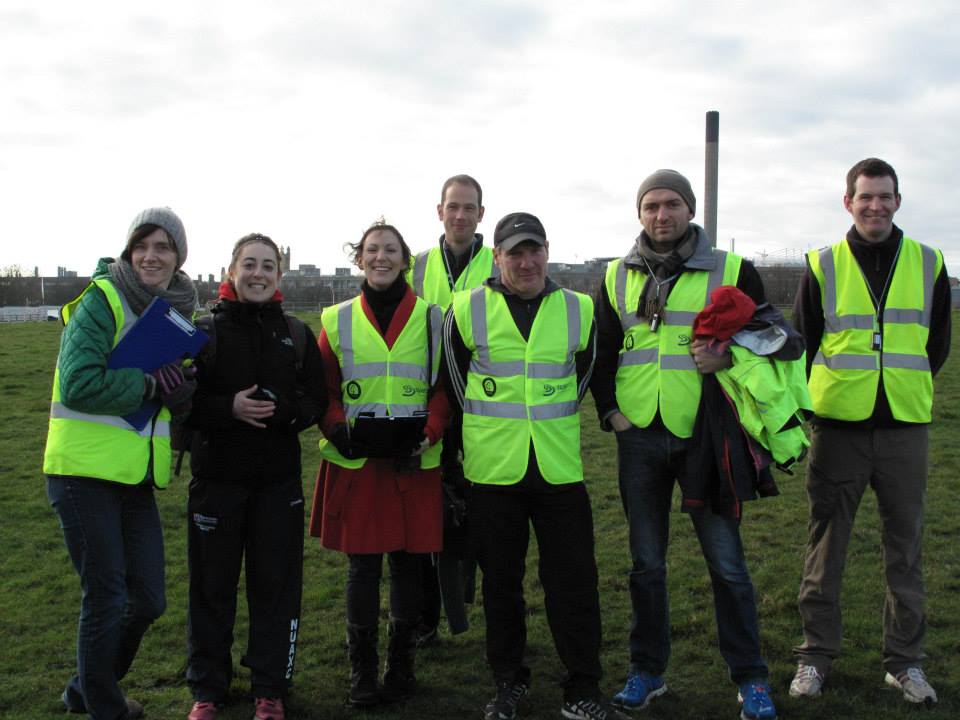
<point x="350" y="449"/>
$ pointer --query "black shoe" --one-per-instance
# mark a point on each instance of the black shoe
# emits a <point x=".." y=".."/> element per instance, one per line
<point x="504" y="704"/>
<point x="589" y="709"/>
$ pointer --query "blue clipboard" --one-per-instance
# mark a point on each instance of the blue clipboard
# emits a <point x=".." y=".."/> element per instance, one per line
<point x="160" y="335"/>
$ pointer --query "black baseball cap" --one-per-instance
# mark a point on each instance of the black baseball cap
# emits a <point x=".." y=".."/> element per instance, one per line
<point x="516" y="228"/>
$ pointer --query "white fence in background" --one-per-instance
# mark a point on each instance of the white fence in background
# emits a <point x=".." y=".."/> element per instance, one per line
<point x="29" y="314"/>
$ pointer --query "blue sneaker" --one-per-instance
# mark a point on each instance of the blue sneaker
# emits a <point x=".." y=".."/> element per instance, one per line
<point x="755" y="702"/>
<point x="641" y="688"/>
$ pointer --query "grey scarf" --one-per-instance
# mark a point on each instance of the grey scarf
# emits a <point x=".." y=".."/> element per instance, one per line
<point x="181" y="294"/>
<point x="662" y="270"/>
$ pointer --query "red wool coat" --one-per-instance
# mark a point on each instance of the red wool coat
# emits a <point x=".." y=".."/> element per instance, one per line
<point x="376" y="509"/>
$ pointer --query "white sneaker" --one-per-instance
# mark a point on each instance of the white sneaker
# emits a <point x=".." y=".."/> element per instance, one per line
<point x="807" y="682"/>
<point x="914" y="685"/>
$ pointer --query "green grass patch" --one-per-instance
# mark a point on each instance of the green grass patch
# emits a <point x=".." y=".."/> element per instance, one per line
<point x="40" y="596"/>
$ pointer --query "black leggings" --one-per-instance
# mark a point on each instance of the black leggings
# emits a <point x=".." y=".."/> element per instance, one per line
<point x="363" y="587"/>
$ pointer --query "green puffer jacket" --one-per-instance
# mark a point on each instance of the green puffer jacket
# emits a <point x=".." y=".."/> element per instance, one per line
<point x="86" y="385"/>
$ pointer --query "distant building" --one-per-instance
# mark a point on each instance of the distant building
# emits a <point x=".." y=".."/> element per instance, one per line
<point x="342" y="272"/>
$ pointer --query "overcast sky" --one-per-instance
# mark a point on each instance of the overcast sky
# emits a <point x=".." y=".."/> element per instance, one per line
<point x="306" y="120"/>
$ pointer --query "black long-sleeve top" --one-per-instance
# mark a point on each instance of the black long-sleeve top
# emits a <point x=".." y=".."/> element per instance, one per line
<point x="253" y="346"/>
<point x="875" y="260"/>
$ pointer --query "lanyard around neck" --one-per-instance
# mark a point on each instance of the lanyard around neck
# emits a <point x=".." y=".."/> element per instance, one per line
<point x="446" y="264"/>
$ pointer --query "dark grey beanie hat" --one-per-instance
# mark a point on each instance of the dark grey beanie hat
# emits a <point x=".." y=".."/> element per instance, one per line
<point x="167" y="219"/>
<point x="669" y="180"/>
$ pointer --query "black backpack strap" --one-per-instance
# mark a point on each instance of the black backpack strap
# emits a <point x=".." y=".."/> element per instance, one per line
<point x="298" y="333"/>
<point x="209" y="351"/>
<point x="209" y="354"/>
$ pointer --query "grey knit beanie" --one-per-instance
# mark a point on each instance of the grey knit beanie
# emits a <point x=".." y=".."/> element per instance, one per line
<point x="669" y="180"/>
<point x="167" y="219"/>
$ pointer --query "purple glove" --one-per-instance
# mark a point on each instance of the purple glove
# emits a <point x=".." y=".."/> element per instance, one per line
<point x="173" y="389"/>
<point x="169" y="377"/>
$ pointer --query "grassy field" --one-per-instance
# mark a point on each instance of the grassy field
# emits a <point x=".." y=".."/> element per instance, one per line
<point x="39" y="592"/>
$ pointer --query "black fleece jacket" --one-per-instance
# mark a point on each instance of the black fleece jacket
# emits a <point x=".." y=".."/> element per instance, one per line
<point x="254" y="347"/>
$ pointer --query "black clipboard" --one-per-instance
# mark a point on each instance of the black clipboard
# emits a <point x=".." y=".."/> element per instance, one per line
<point x="389" y="437"/>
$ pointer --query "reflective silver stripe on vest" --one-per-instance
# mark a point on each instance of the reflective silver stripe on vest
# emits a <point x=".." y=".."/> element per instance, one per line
<point x="496" y="369"/>
<point x="129" y="317"/>
<point x="351" y="370"/>
<point x="847" y="362"/>
<point x="678" y="317"/>
<point x="829" y="293"/>
<point x="489" y="408"/>
<point x="478" y="318"/>
<point x="345" y="330"/>
<point x="379" y="369"/>
<point x="903" y="317"/>
<point x="574" y="327"/>
<point x="835" y="324"/>
<point x="551" y="371"/>
<point x="518" y="411"/>
<point x="832" y="323"/>
<point x="627" y="320"/>
<point x="715" y="278"/>
<point x="644" y="356"/>
<point x="420" y="271"/>
<point x="677" y="362"/>
<point x="480" y="363"/>
<point x="435" y="315"/>
<point x="59" y="411"/>
<point x="903" y="361"/>
<point x="929" y="280"/>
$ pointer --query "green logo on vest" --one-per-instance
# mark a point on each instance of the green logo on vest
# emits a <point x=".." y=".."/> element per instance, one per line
<point x="683" y="340"/>
<point x="489" y="387"/>
<point x="410" y="391"/>
<point x="549" y="390"/>
<point x="353" y="389"/>
<point x="628" y="345"/>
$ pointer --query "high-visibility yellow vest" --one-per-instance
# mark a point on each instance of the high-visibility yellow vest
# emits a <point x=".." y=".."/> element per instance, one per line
<point x="518" y="391"/>
<point x="105" y="447"/>
<point x="771" y="399"/>
<point x="857" y="347"/>
<point x="655" y="370"/>
<point x="431" y="279"/>
<point x="387" y="382"/>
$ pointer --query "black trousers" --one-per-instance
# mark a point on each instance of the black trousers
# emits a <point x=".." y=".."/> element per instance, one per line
<point x="363" y="587"/>
<point x="261" y="524"/>
<point x="500" y="519"/>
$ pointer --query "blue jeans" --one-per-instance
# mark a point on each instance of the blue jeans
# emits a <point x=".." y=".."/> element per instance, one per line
<point x="112" y="532"/>
<point x="650" y="461"/>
